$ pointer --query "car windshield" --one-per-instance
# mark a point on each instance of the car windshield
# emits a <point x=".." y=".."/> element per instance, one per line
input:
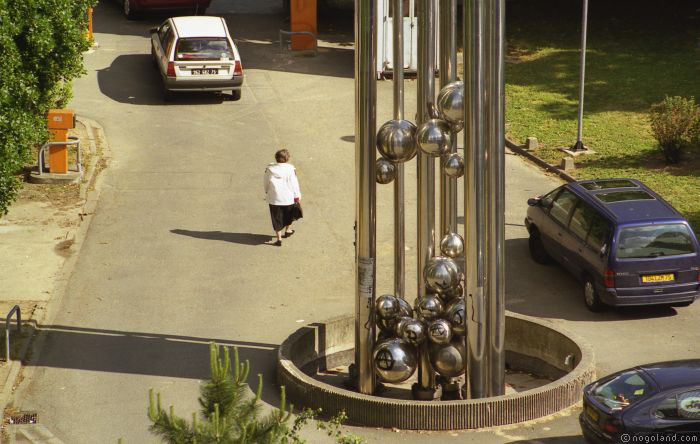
<point x="654" y="241"/>
<point x="622" y="390"/>
<point x="203" y="49"/>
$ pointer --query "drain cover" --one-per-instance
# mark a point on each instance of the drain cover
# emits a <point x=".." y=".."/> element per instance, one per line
<point x="22" y="418"/>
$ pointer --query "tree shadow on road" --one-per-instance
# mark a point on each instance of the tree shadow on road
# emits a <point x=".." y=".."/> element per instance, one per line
<point x="236" y="238"/>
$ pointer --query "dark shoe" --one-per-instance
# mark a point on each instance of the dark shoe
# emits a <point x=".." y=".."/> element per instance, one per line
<point x="288" y="234"/>
<point x="278" y="243"/>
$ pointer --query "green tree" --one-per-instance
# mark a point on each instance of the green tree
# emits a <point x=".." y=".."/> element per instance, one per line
<point x="41" y="52"/>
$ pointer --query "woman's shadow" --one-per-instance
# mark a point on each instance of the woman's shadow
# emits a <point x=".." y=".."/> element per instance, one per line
<point x="236" y="238"/>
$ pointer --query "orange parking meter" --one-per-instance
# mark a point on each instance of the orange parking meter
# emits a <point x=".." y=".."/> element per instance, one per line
<point x="303" y="19"/>
<point x="60" y="121"/>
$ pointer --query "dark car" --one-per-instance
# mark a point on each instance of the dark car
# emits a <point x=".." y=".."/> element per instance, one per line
<point x="624" y="242"/>
<point x="132" y="7"/>
<point x="649" y="401"/>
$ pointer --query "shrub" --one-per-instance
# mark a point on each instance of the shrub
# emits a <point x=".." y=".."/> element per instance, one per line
<point x="41" y="52"/>
<point x="672" y="122"/>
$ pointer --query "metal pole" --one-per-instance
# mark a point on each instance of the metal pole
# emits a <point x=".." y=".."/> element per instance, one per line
<point x="474" y="196"/>
<point x="495" y="196"/>
<point x="399" y="213"/>
<point x="365" y="211"/>
<point x="448" y="74"/>
<point x="426" y="168"/>
<point x="582" y="76"/>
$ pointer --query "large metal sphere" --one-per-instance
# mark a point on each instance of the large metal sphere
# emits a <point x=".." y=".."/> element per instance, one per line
<point x="386" y="171"/>
<point x="453" y="293"/>
<point x="413" y="332"/>
<point x="394" y="360"/>
<point x="455" y="314"/>
<point x="441" y="274"/>
<point x="400" y="324"/>
<point x="434" y="137"/>
<point x="454" y="165"/>
<point x="448" y="359"/>
<point x="439" y="331"/>
<point x="396" y="140"/>
<point x="404" y="308"/>
<point x="429" y="307"/>
<point x="450" y="103"/>
<point x="452" y="245"/>
<point x="387" y="306"/>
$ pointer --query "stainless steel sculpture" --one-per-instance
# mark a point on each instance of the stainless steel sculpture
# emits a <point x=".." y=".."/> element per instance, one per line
<point x="449" y="330"/>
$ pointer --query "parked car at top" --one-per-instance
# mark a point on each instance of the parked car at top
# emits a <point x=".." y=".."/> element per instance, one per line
<point x="651" y="400"/>
<point x="132" y="8"/>
<point x="196" y="54"/>
<point x="625" y="243"/>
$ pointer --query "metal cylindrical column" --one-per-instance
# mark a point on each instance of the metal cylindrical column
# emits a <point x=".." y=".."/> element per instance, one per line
<point x="474" y="198"/>
<point x="365" y="190"/>
<point x="582" y="76"/>
<point x="426" y="164"/>
<point x="399" y="213"/>
<point x="448" y="73"/>
<point x="495" y="196"/>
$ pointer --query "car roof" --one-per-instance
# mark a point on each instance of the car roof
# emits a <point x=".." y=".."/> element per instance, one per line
<point x="602" y="194"/>
<point x="199" y="26"/>
<point x="672" y="374"/>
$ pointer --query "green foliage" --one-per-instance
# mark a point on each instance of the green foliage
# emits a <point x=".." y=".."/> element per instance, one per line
<point x="41" y="46"/>
<point x="229" y="415"/>
<point x="672" y="122"/>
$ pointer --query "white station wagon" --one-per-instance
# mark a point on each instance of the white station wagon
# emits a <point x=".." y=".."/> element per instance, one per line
<point x="196" y="54"/>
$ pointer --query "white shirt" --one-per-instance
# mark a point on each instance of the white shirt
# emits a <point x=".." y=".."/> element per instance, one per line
<point x="281" y="184"/>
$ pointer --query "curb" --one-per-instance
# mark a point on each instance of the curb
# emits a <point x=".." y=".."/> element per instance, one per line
<point x="518" y="149"/>
<point x="90" y="193"/>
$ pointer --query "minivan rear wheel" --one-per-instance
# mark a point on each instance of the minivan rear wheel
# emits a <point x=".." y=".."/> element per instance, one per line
<point x="590" y="296"/>
<point x="537" y="251"/>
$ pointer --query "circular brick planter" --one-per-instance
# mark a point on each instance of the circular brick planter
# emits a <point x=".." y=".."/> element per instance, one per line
<point x="531" y="345"/>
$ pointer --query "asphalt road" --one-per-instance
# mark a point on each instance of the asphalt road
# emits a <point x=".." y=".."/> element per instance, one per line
<point x="178" y="253"/>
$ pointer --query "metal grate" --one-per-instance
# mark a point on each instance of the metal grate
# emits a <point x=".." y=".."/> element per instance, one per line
<point x="23" y="418"/>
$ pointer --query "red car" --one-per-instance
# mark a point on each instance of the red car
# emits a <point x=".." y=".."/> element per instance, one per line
<point x="132" y="7"/>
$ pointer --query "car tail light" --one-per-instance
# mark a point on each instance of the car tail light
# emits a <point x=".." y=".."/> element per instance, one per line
<point x="171" y="69"/>
<point x="238" y="69"/>
<point x="613" y="426"/>
<point x="609" y="278"/>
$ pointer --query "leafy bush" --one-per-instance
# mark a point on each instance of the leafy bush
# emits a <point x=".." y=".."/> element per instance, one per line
<point x="672" y="122"/>
<point x="41" y="46"/>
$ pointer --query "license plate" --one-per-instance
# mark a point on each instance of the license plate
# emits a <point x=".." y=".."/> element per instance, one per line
<point x="658" y="278"/>
<point x="592" y="414"/>
<point x="205" y="71"/>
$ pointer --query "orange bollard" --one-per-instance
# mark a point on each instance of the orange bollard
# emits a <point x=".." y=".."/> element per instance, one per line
<point x="89" y="33"/>
<point x="303" y="19"/>
<point x="60" y="121"/>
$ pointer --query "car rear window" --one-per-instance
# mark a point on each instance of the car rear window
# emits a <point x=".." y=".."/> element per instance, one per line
<point x="209" y="48"/>
<point x="622" y="390"/>
<point x="654" y="241"/>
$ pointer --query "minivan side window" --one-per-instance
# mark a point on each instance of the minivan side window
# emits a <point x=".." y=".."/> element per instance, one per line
<point x="163" y="32"/>
<point x="546" y="200"/>
<point x="599" y="234"/>
<point x="581" y="220"/>
<point x="562" y="205"/>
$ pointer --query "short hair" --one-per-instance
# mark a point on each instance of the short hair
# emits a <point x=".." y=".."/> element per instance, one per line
<point x="282" y="156"/>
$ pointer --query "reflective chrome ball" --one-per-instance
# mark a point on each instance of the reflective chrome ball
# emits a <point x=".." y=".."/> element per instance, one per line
<point x="453" y="293"/>
<point x="386" y="171"/>
<point x="394" y="360"/>
<point x="400" y="323"/>
<point x="455" y="315"/>
<point x="396" y="140"/>
<point x="387" y="306"/>
<point x="429" y="307"/>
<point x="413" y="332"/>
<point x="434" y="137"/>
<point x="404" y="308"/>
<point x="439" y="331"/>
<point x="441" y="274"/>
<point x="454" y="165"/>
<point x="450" y="103"/>
<point x="452" y="245"/>
<point x="448" y="359"/>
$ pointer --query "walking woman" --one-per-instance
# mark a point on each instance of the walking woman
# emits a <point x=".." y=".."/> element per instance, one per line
<point x="281" y="191"/>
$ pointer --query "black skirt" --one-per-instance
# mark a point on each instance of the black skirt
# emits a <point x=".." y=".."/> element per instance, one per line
<point x="281" y="216"/>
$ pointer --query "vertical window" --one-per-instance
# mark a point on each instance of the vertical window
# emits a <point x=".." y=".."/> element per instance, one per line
<point x="562" y="205"/>
<point x="581" y="220"/>
<point x="599" y="234"/>
<point x="547" y="199"/>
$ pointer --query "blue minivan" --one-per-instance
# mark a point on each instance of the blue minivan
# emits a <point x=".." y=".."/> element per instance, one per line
<point x="623" y="241"/>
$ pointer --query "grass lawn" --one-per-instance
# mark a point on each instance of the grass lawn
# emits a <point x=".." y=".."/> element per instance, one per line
<point x="638" y="51"/>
